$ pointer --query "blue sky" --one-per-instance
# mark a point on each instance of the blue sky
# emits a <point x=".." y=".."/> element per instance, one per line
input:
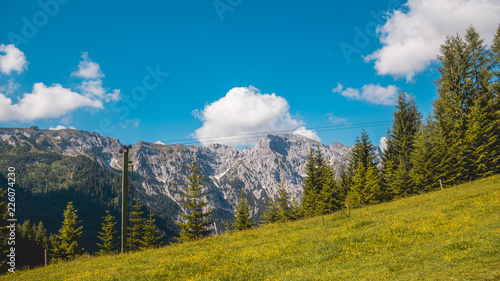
<point x="189" y="71"/>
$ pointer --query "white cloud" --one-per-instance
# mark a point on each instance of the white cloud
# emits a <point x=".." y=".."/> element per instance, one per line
<point x="245" y="114"/>
<point x="370" y="93"/>
<point x="9" y="88"/>
<point x="383" y="143"/>
<point x="307" y="133"/>
<point x="88" y="69"/>
<point x="134" y="122"/>
<point x="13" y="59"/>
<point x="159" y="142"/>
<point x="51" y="101"/>
<point x="44" y="102"/>
<point x="60" y="127"/>
<point x="94" y="89"/>
<point x="413" y="35"/>
<point x="335" y="119"/>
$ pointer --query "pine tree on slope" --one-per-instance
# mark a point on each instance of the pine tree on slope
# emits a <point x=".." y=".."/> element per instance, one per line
<point x="107" y="236"/>
<point x="196" y="220"/>
<point x="243" y="220"/>
<point x="68" y="245"/>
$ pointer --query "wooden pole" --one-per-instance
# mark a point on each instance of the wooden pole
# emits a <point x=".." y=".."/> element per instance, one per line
<point x="441" y="184"/>
<point x="124" y="199"/>
<point x="215" y="226"/>
<point x="45" y="255"/>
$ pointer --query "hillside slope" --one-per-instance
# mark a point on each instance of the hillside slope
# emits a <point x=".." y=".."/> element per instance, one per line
<point x="443" y="235"/>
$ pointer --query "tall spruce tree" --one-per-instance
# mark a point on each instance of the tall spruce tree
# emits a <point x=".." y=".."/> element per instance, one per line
<point x="108" y="236"/>
<point x="196" y="220"/>
<point x="243" y="220"/>
<point x="373" y="189"/>
<point x="330" y="193"/>
<point x="451" y="108"/>
<point x="138" y="222"/>
<point x="272" y="212"/>
<point x="70" y="233"/>
<point x="400" y="144"/>
<point x="425" y="158"/>
<point x="466" y="107"/>
<point x="309" y="196"/>
<point x="283" y="202"/>
<point x="495" y="51"/>
<point x="482" y="141"/>
<point x="495" y="89"/>
<point x="151" y="237"/>
<point x="360" y="160"/>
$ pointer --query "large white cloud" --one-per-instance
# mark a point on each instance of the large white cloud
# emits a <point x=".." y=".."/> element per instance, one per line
<point x="12" y="59"/>
<point x="44" y="102"/>
<point x="243" y="116"/>
<point x="88" y="69"/>
<point x="370" y="93"/>
<point x="412" y="35"/>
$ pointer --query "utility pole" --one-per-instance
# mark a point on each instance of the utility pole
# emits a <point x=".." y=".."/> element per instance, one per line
<point x="124" y="197"/>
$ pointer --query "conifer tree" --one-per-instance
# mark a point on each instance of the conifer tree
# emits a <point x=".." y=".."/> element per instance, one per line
<point x="136" y="233"/>
<point x="388" y="178"/>
<point x="108" y="236"/>
<point x="494" y="112"/>
<point x="151" y="236"/>
<point x="400" y="144"/>
<point x="283" y="203"/>
<point x="373" y="191"/>
<point x="272" y="212"/>
<point x="361" y="158"/>
<point x="356" y="195"/>
<point x="467" y="68"/>
<point x="330" y="193"/>
<point x="482" y="142"/>
<point x="309" y="196"/>
<point x="196" y="220"/>
<point x="495" y="50"/>
<point x="41" y="235"/>
<point x="425" y="158"/>
<point x="243" y="220"/>
<point x="68" y="244"/>
<point x="481" y="64"/>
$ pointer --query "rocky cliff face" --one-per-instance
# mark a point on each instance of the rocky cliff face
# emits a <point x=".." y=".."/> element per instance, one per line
<point x="160" y="171"/>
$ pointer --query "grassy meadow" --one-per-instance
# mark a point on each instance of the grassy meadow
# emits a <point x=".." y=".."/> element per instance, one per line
<point x="452" y="234"/>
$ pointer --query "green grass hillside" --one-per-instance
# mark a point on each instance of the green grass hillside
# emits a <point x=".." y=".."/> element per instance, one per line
<point x="444" y="235"/>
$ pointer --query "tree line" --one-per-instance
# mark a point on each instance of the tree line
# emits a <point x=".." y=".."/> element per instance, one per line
<point x="459" y="141"/>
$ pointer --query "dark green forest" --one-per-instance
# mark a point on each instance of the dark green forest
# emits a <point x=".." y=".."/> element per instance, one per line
<point x="46" y="182"/>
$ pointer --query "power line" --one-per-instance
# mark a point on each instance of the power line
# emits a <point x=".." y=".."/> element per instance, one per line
<point x="215" y="139"/>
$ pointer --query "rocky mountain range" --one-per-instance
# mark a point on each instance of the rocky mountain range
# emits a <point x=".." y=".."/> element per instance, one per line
<point x="160" y="171"/>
